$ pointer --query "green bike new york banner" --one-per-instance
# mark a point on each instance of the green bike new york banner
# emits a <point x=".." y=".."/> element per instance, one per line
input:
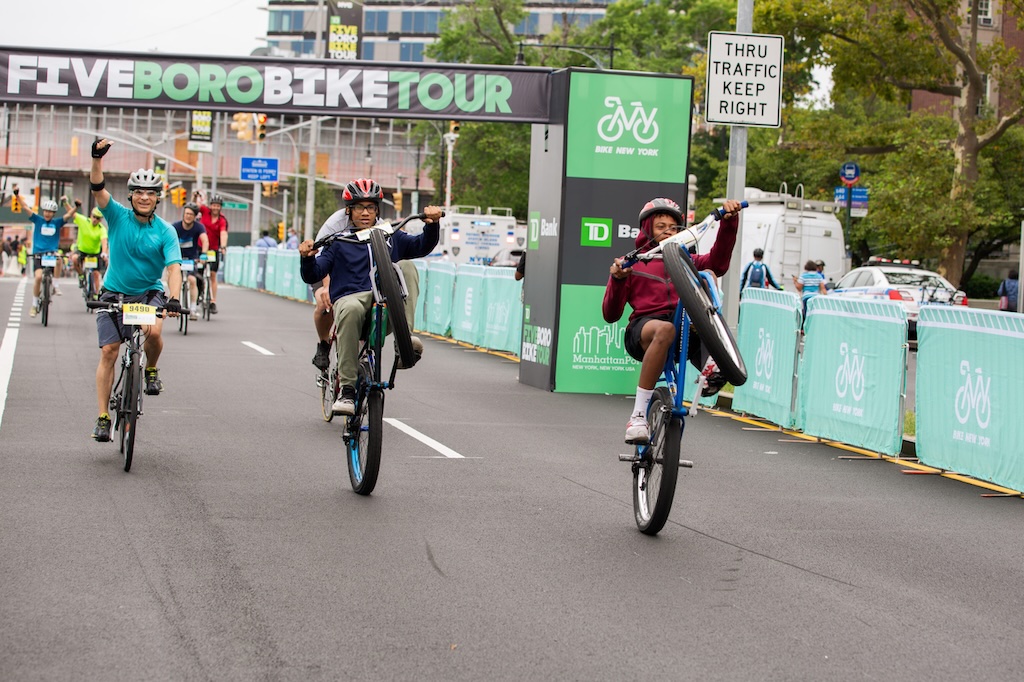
<point x="970" y="382"/>
<point x="853" y="372"/>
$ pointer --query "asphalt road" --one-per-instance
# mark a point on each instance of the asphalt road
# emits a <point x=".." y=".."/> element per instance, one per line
<point x="235" y="549"/>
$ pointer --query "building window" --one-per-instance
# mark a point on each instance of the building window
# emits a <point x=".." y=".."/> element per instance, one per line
<point x="286" y="21"/>
<point x="367" y="50"/>
<point x="410" y="52"/>
<point x="420" y="23"/>
<point x="528" y="26"/>
<point x="375" y="21"/>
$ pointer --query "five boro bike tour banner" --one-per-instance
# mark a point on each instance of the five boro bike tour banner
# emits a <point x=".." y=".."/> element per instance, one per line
<point x="298" y="86"/>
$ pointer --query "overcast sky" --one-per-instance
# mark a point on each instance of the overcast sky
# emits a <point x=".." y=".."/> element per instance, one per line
<point x="200" y="27"/>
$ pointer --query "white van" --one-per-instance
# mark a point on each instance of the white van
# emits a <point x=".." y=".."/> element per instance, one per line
<point x="791" y="230"/>
<point x="470" y="235"/>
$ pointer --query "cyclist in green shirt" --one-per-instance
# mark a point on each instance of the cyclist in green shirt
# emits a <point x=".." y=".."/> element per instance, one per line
<point x="90" y="242"/>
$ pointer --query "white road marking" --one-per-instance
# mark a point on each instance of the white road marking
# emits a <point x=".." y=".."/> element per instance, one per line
<point x="7" y="347"/>
<point x="426" y="440"/>
<point x="258" y="349"/>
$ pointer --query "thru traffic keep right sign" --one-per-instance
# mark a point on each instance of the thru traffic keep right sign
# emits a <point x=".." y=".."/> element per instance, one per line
<point x="744" y="79"/>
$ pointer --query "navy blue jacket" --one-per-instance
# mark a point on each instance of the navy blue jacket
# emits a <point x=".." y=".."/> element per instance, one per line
<point x="348" y="264"/>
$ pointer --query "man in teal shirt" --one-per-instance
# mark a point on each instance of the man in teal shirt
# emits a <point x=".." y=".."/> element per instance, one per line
<point x="141" y="245"/>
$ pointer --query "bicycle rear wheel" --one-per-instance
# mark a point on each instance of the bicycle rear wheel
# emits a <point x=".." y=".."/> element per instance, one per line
<point x="132" y="409"/>
<point x="654" y="476"/>
<point x="206" y="299"/>
<point x="392" y="292"/>
<point x="363" y="443"/>
<point x="44" y="299"/>
<point x="706" y="319"/>
<point x="183" y="317"/>
<point x="330" y="386"/>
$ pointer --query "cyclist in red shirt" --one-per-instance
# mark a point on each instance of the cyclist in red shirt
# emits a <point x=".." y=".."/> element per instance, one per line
<point x="217" y="232"/>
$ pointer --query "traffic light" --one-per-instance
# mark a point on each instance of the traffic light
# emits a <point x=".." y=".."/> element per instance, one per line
<point x="280" y="231"/>
<point x="261" y="127"/>
<point x="178" y="196"/>
<point x="397" y="199"/>
<point x="273" y="189"/>
<point x="242" y="125"/>
<point x="453" y="127"/>
<point x="15" y="204"/>
<point x="266" y="188"/>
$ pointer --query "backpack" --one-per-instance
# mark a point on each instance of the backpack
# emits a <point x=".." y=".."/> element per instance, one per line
<point x="756" y="275"/>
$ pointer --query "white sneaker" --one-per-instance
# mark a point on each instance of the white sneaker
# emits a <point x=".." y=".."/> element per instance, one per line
<point x="637" y="430"/>
<point x="346" y="402"/>
<point x="417" y="352"/>
<point x="710" y="380"/>
<point x="57" y="291"/>
<point x="193" y="315"/>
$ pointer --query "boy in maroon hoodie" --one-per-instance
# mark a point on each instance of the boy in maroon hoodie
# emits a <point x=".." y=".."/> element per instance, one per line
<point x="647" y="288"/>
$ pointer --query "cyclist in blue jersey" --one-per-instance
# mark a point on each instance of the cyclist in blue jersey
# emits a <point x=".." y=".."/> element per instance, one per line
<point x="45" y="239"/>
<point x="757" y="274"/>
<point x="141" y="245"/>
<point x="193" y="242"/>
<point x="809" y="284"/>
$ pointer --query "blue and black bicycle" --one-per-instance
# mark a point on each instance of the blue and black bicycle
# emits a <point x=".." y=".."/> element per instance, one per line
<point x="656" y="464"/>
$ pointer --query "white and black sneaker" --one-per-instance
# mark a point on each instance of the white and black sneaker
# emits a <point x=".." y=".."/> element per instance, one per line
<point x="346" y="402"/>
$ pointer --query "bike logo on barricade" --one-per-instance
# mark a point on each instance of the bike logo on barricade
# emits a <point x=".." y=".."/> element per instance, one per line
<point x="850" y="378"/>
<point x="973" y="399"/>
<point x="764" y="362"/>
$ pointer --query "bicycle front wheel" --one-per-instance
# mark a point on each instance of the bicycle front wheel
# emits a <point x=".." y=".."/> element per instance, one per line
<point x="132" y="409"/>
<point x="706" y="319"/>
<point x="183" y="318"/>
<point x="392" y="292"/>
<point x="363" y="444"/>
<point x="44" y="299"/>
<point x="654" y="476"/>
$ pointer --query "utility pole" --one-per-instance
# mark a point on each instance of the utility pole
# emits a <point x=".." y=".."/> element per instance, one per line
<point x="257" y="202"/>
<point x="314" y="130"/>
<point x="449" y="141"/>
<point x="736" y="184"/>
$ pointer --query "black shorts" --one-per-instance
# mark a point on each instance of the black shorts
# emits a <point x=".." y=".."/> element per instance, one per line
<point x="101" y="260"/>
<point x="636" y="350"/>
<point x="214" y="263"/>
<point x="108" y="325"/>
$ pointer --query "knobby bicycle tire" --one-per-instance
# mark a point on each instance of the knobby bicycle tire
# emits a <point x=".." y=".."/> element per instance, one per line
<point x="706" y="319"/>
<point x="654" y="476"/>
<point x="390" y="288"/>
<point x="183" y="317"/>
<point x="366" y="435"/>
<point x="44" y="300"/>
<point x="133" y="407"/>
<point x="329" y="386"/>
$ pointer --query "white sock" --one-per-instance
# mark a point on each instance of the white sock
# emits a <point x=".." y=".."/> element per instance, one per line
<point x="643" y="398"/>
<point x="35" y="301"/>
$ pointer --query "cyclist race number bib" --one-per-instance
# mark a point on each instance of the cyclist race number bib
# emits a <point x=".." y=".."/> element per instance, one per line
<point x="48" y="261"/>
<point x="91" y="263"/>
<point x="138" y="313"/>
<point x="48" y="230"/>
<point x="211" y="255"/>
<point x="187" y="266"/>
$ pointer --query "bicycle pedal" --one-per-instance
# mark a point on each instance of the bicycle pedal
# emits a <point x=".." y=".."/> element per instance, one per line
<point x="686" y="464"/>
<point x="629" y="457"/>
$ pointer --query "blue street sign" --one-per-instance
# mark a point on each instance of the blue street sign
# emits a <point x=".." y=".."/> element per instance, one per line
<point x="849" y="173"/>
<point x="860" y="195"/>
<point x="257" y="169"/>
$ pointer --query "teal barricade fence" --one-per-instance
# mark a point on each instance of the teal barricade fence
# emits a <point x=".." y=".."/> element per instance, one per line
<point x="768" y="337"/>
<point x="438" y="294"/>
<point x="503" y="316"/>
<point x="853" y="372"/>
<point x="969" y="381"/>
<point x="421" y="267"/>
<point x="469" y="305"/>
<point x="234" y="263"/>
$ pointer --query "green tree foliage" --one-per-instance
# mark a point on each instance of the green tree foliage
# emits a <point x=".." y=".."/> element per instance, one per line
<point x="326" y="200"/>
<point x="890" y="48"/>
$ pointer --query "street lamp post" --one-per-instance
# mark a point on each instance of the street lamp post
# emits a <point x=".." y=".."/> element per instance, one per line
<point x="610" y="49"/>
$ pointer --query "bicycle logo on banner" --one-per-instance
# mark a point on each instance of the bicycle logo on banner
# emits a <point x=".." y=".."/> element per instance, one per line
<point x="973" y="397"/>
<point x="640" y="123"/>
<point x="764" y="362"/>
<point x="850" y="375"/>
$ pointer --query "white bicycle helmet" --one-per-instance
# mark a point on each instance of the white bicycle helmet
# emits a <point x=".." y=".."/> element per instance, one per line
<point x="145" y="178"/>
<point x="49" y="205"/>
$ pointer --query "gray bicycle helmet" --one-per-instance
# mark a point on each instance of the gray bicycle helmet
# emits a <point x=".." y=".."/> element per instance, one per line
<point x="48" y="205"/>
<point x="661" y="205"/>
<point x="216" y="199"/>
<point x="145" y="178"/>
<point x="193" y="206"/>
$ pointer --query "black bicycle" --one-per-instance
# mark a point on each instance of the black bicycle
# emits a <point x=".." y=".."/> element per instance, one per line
<point x="364" y="430"/>
<point x="90" y="264"/>
<point x="126" y="397"/>
<point x="47" y="261"/>
<point x="187" y="268"/>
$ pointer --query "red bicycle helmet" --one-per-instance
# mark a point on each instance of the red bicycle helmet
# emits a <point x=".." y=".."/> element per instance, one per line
<point x="362" y="190"/>
<point x="661" y="205"/>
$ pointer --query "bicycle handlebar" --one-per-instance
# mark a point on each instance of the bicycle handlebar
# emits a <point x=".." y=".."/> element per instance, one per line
<point x="115" y="306"/>
<point x="387" y="227"/>
<point x="685" y="237"/>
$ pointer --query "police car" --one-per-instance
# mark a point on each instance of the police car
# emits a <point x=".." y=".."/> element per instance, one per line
<point x="900" y="280"/>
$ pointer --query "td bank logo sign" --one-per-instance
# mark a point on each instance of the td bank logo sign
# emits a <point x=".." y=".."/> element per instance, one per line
<point x="540" y="227"/>
<point x="596" y="232"/>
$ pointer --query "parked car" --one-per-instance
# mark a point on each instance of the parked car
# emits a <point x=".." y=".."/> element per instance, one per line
<point x="902" y="281"/>
<point x="507" y="258"/>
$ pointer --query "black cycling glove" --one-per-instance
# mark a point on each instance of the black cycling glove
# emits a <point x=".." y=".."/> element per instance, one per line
<point x="173" y="306"/>
<point x="99" y="152"/>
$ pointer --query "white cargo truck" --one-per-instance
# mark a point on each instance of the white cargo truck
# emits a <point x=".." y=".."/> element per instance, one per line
<point x="791" y="230"/>
<point x="470" y="235"/>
